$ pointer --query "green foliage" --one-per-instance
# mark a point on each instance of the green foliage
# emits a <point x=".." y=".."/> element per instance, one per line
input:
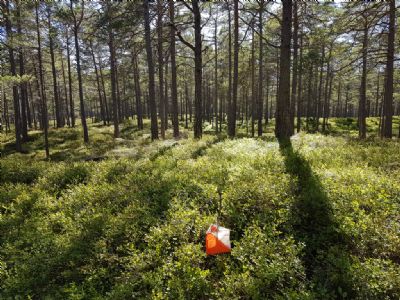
<point x="315" y="221"/>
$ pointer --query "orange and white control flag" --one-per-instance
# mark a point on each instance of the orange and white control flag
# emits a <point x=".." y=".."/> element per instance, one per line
<point x="217" y="240"/>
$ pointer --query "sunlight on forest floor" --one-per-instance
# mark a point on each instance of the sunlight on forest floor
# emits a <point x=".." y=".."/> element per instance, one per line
<point x="317" y="218"/>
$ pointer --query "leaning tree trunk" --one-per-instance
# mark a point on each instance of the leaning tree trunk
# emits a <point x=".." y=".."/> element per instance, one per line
<point x="150" y="64"/>
<point x="282" y="128"/>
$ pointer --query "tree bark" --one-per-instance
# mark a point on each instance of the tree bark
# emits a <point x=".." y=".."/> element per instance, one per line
<point x="150" y="64"/>
<point x="102" y="110"/>
<point x="160" y="65"/>
<point x="138" y="92"/>
<point x="71" y="98"/>
<point x="78" y="70"/>
<point x="65" y="89"/>
<point x="363" y="87"/>
<point x="57" y="104"/>
<point x="42" y="86"/>
<point x="174" y="89"/>
<point x="113" y="82"/>
<point x="260" y="70"/>
<point x="13" y="72"/>
<point x="198" y="71"/>
<point x="282" y="129"/>
<point x="388" y="96"/>
<point x="300" y="86"/>
<point x="295" y="66"/>
<point x="23" y="88"/>
<point x="232" y="120"/>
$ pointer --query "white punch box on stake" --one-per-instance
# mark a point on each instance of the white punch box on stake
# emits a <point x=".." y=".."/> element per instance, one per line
<point x="217" y="240"/>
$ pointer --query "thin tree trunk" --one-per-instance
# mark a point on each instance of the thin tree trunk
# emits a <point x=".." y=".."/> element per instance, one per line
<point x="57" y="106"/>
<point x="160" y="65"/>
<point x="388" y="96"/>
<point x="321" y="78"/>
<point x="232" y="123"/>
<point x="295" y="66"/>
<point x="42" y="86"/>
<point x="253" y="84"/>
<point x="102" y="110"/>
<point x="13" y="73"/>
<point x="78" y="70"/>
<point x="23" y="89"/>
<point x="138" y="93"/>
<point x="71" y="99"/>
<point x="363" y="87"/>
<point x="216" y="70"/>
<point x="65" y="89"/>
<point x="229" y="95"/>
<point x="300" y="86"/>
<point x="150" y="64"/>
<point x="113" y="83"/>
<point x="260" y="70"/>
<point x="174" y="89"/>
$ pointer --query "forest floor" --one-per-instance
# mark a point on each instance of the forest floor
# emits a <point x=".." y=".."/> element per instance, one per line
<point x="318" y="217"/>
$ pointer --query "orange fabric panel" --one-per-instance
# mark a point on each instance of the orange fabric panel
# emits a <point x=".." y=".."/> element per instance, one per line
<point x="214" y="246"/>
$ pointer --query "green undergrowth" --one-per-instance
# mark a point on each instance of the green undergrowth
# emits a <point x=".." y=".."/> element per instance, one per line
<point x="316" y="218"/>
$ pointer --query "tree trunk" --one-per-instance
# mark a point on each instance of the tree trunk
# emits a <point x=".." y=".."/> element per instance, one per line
<point x="388" y="96"/>
<point x="321" y="80"/>
<point x="113" y="82"/>
<point x="174" y="89"/>
<point x="102" y="110"/>
<point x="363" y="88"/>
<point x="300" y="86"/>
<point x="13" y="73"/>
<point x="253" y="84"/>
<point x="232" y="120"/>
<point x="150" y="64"/>
<point x="57" y="106"/>
<point x="198" y="70"/>
<point x="295" y="66"/>
<point x="71" y="98"/>
<point x="260" y="70"/>
<point x="138" y="93"/>
<point x="216" y="70"/>
<point x="229" y="94"/>
<point x="282" y="129"/>
<point x="80" y="86"/>
<point x="42" y="86"/>
<point x="160" y="65"/>
<point x="65" y="89"/>
<point x="23" y="89"/>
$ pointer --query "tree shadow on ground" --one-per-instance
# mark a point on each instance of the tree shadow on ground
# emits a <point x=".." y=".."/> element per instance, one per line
<point x="325" y="256"/>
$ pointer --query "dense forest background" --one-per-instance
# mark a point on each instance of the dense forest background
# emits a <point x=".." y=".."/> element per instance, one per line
<point x="222" y="64"/>
<point x="129" y="127"/>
